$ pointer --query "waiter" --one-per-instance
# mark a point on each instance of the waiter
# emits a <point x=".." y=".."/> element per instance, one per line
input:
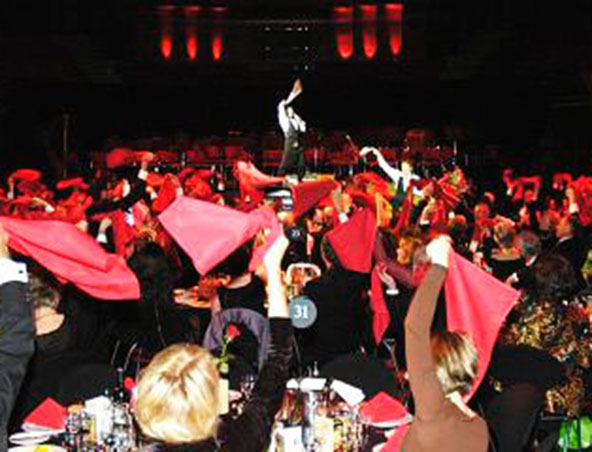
<point x="293" y="127"/>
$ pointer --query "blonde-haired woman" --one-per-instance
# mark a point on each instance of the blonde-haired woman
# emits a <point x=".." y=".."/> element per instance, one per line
<point x="177" y="405"/>
<point x="441" y="370"/>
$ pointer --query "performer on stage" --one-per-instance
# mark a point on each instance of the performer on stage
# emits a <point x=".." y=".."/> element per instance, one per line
<point x="402" y="178"/>
<point x="293" y="127"/>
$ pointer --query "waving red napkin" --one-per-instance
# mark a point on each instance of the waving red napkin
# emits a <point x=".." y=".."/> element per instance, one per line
<point x="307" y="194"/>
<point x="71" y="255"/>
<point x="353" y="241"/>
<point x="477" y="303"/>
<point x="120" y="157"/>
<point x="49" y="414"/>
<point x="27" y="174"/>
<point x="383" y="408"/>
<point x="209" y="233"/>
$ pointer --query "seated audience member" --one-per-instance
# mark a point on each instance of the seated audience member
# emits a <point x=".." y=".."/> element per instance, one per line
<point x="241" y="288"/>
<point x="16" y="333"/>
<point x="63" y="341"/>
<point x="178" y="393"/>
<point x="505" y="259"/>
<point x="441" y="367"/>
<point x="530" y="249"/>
<point x="157" y="321"/>
<point x="552" y="319"/>
<point x="338" y="296"/>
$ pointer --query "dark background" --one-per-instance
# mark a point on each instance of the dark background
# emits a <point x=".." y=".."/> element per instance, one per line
<point x="509" y="80"/>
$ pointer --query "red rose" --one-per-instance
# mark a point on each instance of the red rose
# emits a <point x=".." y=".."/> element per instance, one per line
<point x="232" y="332"/>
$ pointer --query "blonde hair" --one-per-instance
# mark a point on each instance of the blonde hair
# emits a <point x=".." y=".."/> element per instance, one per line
<point x="178" y="395"/>
<point x="456" y="361"/>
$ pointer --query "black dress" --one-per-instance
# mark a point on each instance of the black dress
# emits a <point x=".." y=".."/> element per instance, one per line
<point x="251" y="296"/>
<point x="339" y="328"/>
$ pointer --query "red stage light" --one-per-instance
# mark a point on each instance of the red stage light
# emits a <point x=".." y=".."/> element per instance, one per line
<point x="165" y="15"/>
<point x="344" y="31"/>
<point x="191" y="42"/>
<point x="166" y="46"/>
<point x="218" y="13"/>
<point x="369" y="13"/>
<point x="394" y="20"/>
<point x="217" y="45"/>
<point x="192" y="47"/>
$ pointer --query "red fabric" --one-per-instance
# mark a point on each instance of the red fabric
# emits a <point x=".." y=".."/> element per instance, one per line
<point x="447" y="193"/>
<point x="396" y="441"/>
<point x="49" y="414"/>
<point x="198" y="188"/>
<point x="362" y="199"/>
<point x="307" y="194"/>
<point x="383" y="408"/>
<point x="120" y="157"/>
<point x="167" y="193"/>
<point x="123" y="233"/>
<point x="76" y="182"/>
<point x="380" y="313"/>
<point x="73" y="256"/>
<point x="30" y="175"/>
<point x="583" y="192"/>
<point x="249" y="174"/>
<point x="353" y="241"/>
<point x="33" y="188"/>
<point x="251" y="180"/>
<point x="477" y="303"/>
<point x="167" y="157"/>
<point x="209" y="233"/>
<point x="154" y="180"/>
<point x="560" y="179"/>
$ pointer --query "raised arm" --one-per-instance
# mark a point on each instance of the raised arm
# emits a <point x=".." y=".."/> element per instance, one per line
<point x="253" y="427"/>
<point x="394" y="173"/>
<point x="425" y="386"/>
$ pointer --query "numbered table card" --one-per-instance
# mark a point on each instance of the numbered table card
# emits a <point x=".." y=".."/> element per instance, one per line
<point x="303" y="312"/>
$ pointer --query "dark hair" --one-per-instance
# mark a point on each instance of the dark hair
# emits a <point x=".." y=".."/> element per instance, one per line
<point x="529" y="243"/>
<point x="555" y="278"/>
<point x="153" y="270"/>
<point x="237" y="263"/>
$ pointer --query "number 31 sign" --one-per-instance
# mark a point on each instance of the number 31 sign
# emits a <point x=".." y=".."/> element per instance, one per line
<point x="303" y="312"/>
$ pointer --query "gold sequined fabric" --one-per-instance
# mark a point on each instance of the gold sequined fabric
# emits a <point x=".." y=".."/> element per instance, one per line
<point x="562" y="330"/>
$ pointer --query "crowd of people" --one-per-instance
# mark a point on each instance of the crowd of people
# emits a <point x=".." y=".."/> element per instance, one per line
<point x="381" y="239"/>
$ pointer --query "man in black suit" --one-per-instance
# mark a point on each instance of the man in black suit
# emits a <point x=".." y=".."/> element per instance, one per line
<point x="572" y="241"/>
<point x="16" y="332"/>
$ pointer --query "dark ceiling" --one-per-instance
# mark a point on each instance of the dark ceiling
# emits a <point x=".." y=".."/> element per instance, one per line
<point x="504" y="72"/>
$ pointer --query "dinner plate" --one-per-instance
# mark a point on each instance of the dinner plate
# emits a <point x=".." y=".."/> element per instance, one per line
<point x="28" y="427"/>
<point x="29" y="438"/>
<point x="37" y="448"/>
<point x="392" y="424"/>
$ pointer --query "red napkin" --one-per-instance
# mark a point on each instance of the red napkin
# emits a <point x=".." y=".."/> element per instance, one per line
<point x="30" y="175"/>
<point x="383" y="408"/>
<point x="307" y="194"/>
<point x="396" y="441"/>
<point x="76" y="182"/>
<point x="381" y="317"/>
<point x="49" y="414"/>
<point x="476" y="303"/>
<point x="353" y="241"/>
<point x="120" y="157"/>
<point x="209" y="233"/>
<point x="73" y="256"/>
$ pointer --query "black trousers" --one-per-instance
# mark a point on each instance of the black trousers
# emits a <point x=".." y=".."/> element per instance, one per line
<point x="292" y="161"/>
